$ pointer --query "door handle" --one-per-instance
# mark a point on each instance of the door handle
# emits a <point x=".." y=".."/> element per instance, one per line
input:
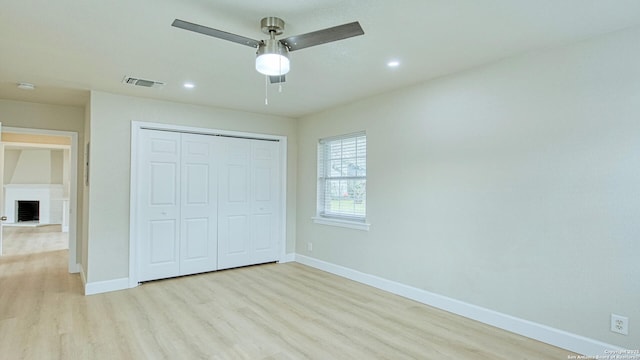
<point x="3" y="218"/>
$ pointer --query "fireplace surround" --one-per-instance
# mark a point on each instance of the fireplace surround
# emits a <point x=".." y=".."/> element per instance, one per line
<point x="50" y="199"/>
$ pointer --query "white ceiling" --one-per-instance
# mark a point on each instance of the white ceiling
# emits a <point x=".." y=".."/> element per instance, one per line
<point x="66" y="47"/>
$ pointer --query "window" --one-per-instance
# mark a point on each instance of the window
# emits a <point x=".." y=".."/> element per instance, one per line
<point x="342" y="180"/>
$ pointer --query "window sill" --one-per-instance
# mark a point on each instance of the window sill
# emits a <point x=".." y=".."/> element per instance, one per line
<point x="341" y="223"/>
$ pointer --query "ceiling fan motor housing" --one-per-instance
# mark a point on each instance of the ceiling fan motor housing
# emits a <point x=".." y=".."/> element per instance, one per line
<point x="273" y="25"/>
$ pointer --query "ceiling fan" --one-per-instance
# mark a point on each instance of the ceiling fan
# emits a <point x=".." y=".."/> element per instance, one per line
<point x="272" y="56"/>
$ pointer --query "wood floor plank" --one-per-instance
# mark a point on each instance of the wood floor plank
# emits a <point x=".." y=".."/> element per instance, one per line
<point x="273" y="311"/>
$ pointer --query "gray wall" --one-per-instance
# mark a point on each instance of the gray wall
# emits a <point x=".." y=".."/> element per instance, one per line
<point x="514" y="186"/>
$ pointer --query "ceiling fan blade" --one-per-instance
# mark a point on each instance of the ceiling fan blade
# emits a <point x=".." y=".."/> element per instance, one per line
<point x="277" y="79"/>
<point x="215" y="33"/>
<point x="324" y="36"/>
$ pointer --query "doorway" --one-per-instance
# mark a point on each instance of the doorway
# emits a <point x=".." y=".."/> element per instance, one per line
<point x="40" y="191"/>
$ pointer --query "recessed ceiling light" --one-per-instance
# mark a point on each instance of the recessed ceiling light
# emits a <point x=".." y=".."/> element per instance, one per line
<point x="393" y="63"/>
<point x="26" y="86"/>
<point x="189" y="85"/>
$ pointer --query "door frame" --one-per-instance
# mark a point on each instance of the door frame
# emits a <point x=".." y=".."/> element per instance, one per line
<point x="137" y="126"/>
<point x="1" y="183"/>
<point x="74" y="266"/>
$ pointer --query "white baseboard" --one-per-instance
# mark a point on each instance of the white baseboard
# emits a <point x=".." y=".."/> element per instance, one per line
<point x="291" y="257"/>
<point x="98" y="287"/>
<point x="562" y="339"/>
<point x="74" y="269"/>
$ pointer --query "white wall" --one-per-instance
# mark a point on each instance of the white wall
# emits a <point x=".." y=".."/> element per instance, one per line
<point x="514" y="187"/>
<point x="11" y="157"/>
<point x="110" y="137"/>
<point x="33" y="166"/>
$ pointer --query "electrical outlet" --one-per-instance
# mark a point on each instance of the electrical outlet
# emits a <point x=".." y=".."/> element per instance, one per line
<point x="309" y="246"/>
<point x="620" y="324"/>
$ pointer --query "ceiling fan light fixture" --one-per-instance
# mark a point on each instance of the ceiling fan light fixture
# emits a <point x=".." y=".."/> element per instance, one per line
<point x="272" y="58"/>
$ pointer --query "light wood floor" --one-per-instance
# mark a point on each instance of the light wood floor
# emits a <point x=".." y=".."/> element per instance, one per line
<point x="275" y="311"/>
<point x="27" y="240"/>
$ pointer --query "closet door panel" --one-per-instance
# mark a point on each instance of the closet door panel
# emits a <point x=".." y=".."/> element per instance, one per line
<point x="248" y="207"/>
<point x="158" y="204"/>
<point x="234" y="204"/>
<point x="262" y="225"/>
<point x="162" y="236"/>
<point x="238" y="235"/>
<point x="265" y="217"/>
<point x="196" y="229"/>
<point x="198" y="246"/>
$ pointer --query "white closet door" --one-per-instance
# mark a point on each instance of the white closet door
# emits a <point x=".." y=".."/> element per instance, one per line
<point x="265" y="212"/>
<point x="205" y="203"/>
<point x="234" y="204"/>
<point x="158" y="204"/>
<point x="199" y="217"/>
<point x="247" y="203"/>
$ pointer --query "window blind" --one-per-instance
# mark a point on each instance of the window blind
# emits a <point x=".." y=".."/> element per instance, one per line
<point x="342" y="177"/>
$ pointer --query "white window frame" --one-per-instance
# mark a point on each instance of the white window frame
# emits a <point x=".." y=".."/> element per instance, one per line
<point x="336" y="219"/>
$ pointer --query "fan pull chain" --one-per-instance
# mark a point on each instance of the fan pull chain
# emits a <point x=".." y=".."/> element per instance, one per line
<point x="266" y="90"/>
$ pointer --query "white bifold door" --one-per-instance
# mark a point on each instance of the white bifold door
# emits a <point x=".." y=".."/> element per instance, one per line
<point x="248" y="211"/>
<point x="205" y="203"/>
<point x="177" y="204"/>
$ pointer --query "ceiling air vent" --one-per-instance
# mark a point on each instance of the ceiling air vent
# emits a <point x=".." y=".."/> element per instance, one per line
<point x="141" y="82"/>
